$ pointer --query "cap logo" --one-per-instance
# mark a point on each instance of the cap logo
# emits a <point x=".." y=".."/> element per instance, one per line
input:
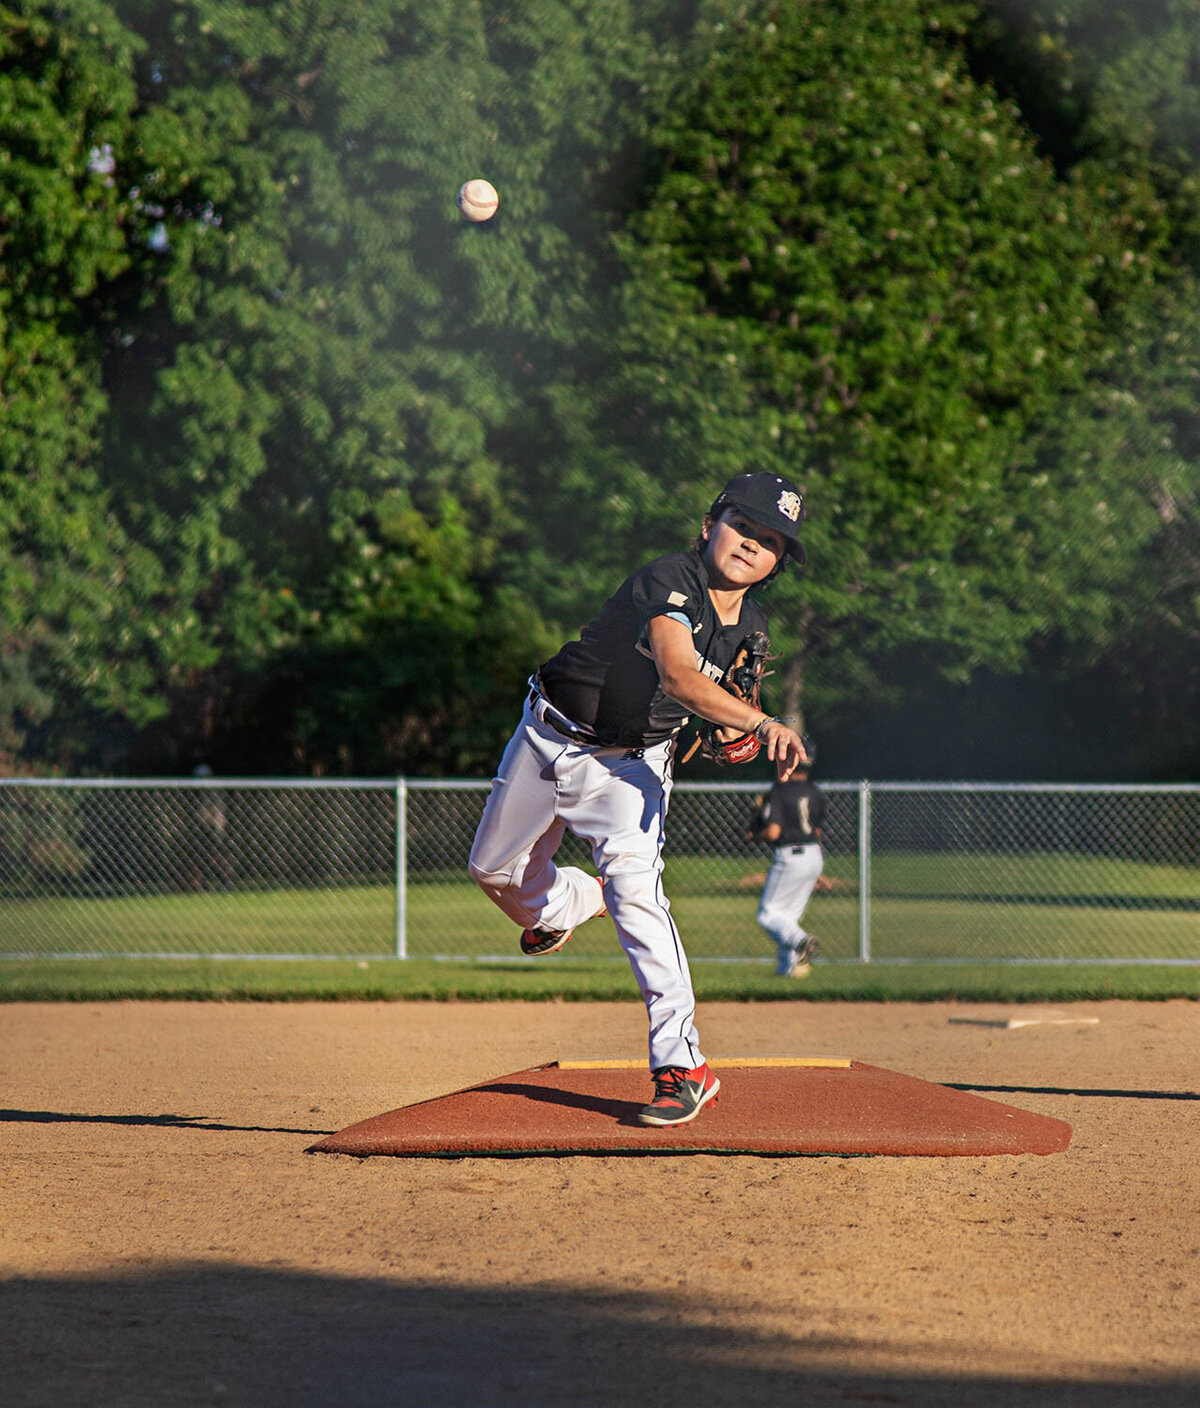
<point x="790" y="505"/>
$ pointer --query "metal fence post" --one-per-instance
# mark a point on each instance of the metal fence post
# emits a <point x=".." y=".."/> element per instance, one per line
<point x="401" y="867"/>
<point x="864" y="872"/>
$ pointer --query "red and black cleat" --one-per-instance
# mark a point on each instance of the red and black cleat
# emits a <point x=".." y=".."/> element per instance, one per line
<point x="535" y="941"/>
<point x="679" y="1094"/>
<point x="538" y="941"/>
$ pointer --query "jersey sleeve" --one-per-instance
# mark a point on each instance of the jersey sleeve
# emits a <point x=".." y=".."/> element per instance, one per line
<point x="666" y="587"/>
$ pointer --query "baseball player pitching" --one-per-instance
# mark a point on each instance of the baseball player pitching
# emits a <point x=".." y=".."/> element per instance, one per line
<point x="595" y="748"/>
<point x="791" y="819"/>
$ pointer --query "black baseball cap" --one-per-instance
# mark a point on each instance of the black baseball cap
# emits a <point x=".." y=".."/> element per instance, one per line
<point x="769" y="499"/>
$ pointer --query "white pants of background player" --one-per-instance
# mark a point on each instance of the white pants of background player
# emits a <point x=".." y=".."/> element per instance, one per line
<point x="617" y="802"/>
<point x="796" y="869"/>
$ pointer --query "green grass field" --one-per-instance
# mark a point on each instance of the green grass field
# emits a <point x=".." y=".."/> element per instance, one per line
<point x="560" y="978"/>
<point x="977" y="914"/>
<point x="347" y="921"/>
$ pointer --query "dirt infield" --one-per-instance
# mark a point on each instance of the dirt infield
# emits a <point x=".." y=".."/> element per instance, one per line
<point x="165" y="1239"/>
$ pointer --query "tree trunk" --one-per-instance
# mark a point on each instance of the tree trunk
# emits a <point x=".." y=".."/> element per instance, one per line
<point x="792" y="675"/>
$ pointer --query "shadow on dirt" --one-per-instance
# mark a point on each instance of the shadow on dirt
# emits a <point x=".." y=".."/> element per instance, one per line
<point x="250" y="1338"/>
<point x="154" y="1121"/>
<point x="1074" y="1090"/>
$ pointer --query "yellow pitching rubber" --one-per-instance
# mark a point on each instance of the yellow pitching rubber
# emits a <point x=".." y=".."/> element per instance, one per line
<point x="839" y="1063"/>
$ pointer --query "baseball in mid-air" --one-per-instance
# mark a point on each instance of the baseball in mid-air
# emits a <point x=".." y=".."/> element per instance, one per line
<point x="477" y="199"/>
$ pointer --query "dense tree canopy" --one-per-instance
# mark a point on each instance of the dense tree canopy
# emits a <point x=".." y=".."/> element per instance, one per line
<point x="299" y="471"/>
<point x="67" y="103"/>
<point x="1111" y="93"/>
<point x="320" y="381"/>
<point x="854" y="265"/>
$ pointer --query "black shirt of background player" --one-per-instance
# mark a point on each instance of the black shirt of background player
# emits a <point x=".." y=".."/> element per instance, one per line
<point x="607" y="681"/>
<point x="798" y="809"/>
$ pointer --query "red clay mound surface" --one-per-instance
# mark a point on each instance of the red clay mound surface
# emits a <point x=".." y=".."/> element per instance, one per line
<point x="771" y="1107"/>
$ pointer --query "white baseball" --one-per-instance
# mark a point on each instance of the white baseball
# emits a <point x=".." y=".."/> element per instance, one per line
<point x="478" y="200"/>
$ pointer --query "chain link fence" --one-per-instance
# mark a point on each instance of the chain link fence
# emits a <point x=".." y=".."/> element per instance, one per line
<point x="933" y="872"/>
<point x="197" y="868"/>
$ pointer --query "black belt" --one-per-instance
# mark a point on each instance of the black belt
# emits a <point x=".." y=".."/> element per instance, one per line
<point x="561" y="724"/>
<point x="795" y="850"/>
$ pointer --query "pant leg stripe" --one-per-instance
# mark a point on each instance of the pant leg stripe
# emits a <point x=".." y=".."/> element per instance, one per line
<point x="686" y="1019"/>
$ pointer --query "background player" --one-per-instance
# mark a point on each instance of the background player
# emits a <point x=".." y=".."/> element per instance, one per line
<point x="594" y="753"/>
<point x="791" y="820"/>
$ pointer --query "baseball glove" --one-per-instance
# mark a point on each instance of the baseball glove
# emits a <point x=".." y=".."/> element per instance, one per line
<point x="744" y="679"/>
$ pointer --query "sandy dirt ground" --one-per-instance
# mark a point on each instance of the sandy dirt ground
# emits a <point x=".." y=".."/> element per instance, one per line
<point x="165" y="1239"/>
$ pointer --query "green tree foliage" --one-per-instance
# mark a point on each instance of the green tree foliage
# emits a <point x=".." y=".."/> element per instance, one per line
<point x="75" y="592"/>
<point x="330" y="339"/>
<point x="1098" y="78"/>
<point x="1112" y="92"/>
<point x="854" y="268"/>
<point x="299" y="461"/>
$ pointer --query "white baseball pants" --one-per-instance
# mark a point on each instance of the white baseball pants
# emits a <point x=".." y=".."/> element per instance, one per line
<point x="789" y="886"/>
<point x="616" y="800"/>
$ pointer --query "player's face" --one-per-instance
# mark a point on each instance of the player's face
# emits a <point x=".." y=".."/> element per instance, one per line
<point x="741" y="550"/>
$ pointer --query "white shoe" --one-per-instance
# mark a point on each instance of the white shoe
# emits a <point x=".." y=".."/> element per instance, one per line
<point x="795" y="962"/>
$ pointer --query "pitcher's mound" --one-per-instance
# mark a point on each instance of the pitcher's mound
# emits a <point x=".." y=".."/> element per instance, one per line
<point x="767" y="1106"/>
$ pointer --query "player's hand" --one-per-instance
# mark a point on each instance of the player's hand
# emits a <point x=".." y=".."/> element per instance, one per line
<point x="784" y="746"/>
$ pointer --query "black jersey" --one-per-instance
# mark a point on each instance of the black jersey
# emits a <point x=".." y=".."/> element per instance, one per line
<point x="798" y="809"/>
<point x="607" y="682"/>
